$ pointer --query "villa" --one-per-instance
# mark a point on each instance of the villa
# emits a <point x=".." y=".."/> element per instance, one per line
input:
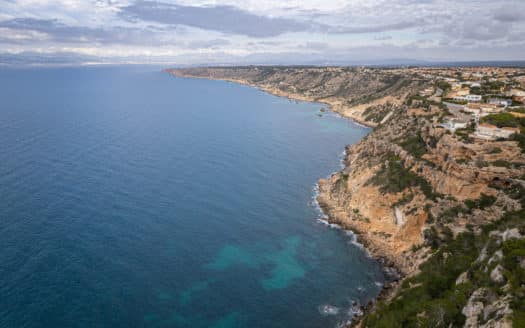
<point x="500" y="102"/>
<point x="469" y="98"/>
<point x="482" y="109"/>
<point x="453" y="124"/>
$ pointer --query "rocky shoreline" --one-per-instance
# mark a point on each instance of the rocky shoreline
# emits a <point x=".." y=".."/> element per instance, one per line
<point x="410" y="190"/>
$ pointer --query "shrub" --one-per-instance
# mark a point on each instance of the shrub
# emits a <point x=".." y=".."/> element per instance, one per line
<point x="520" y="138"/>
<point x="503" y="120"/>
<point x="483" y="202"/>
<point x="415" y="145"/>
<point x="393" y="177"/>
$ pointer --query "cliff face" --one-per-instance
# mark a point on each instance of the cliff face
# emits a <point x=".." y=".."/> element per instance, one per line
<point x="416" y="194"/>
<point x="407" y="175"/>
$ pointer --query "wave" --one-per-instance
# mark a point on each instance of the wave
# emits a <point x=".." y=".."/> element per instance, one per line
<point x="327" y="309"/>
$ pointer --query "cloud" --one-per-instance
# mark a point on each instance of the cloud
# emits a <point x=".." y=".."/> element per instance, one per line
<point x="225" y="19"/>
<point x="383" y="37"/>
<point x="54" y="30"/>
<point x="509" y="16"/>
<point x="214" y="31"/>
<point x="208" y="43"/>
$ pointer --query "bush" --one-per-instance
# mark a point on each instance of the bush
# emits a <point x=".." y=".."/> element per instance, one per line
<point x="415" y="145"/>
<point x="504" y="120"/>
<point x="436" y="294"/>
<point x="520" y="138"/>
<point x="483" y="202"/>
<point x="432" y="299"/>
<point x="393" y="177"/>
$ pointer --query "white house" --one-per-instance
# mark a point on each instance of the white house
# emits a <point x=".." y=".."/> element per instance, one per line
<point x="473" y="97"/>
<point x="500" y="102"/>
<point x="469" y="98"/>
<point x="452" y="124"/>
<point x="426" y="92"/>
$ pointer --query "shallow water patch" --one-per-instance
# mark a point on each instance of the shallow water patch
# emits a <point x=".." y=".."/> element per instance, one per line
<point x="230" y="256"/>
<point x="286" y="268"/>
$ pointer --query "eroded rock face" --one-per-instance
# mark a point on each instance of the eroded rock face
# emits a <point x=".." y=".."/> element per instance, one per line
<point x="496" y="275"/>
<point x="511" y="233"/>
<point x="484" y="310"/>
<point x="474" y="308"/>
<point x="392" y="223"/>
<point x="463" y="278"/>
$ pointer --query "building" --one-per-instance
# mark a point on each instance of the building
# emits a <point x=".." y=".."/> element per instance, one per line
<point x="479" y="109"/>
<point x="500" y="102"/>
<point x="427" y="92"/>
<point x="468" y="98"/>
<point x="491" y="132"/>
<point x="453" y="124"/>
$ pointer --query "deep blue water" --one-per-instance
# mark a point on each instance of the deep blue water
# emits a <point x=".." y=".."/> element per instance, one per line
<point x="130" y="198"/>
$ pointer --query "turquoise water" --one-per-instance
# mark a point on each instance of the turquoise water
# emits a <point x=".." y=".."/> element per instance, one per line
<point x="131" y="198"/>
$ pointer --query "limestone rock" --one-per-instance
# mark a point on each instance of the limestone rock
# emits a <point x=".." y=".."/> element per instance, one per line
<point x="496" y="275"/>
<point x="463" y="278"/>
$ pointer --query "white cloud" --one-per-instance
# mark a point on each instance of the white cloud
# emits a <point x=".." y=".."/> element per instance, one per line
<point x="330" y="29"/>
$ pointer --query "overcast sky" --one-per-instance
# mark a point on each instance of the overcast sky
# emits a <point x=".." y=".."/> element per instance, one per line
<point x="260" y="31"/>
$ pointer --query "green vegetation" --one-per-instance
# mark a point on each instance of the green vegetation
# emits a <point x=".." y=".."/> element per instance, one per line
<point x="393" y="177"/>
<point x="513" y="257"/>
<point x="502" y="163"/>
<point x="476" y="91"/>
<point x="342" y="181"/>
<point x="518" y="110"/>
<point x="483" y="202"/>
<point x="420" y="101"/>
<point x="492" y="87"/>
<point x="376" y="113"/>
<point x="453" y="101"/>
<point x="414" y="145"/>
<point x="495" y="150"/>
<point x="433" y="299"/>
<point x="443" y="85"/>
<point x="520" y="138"/>
<point x="404" y="200"/>
<point x="449" y="214"/>
<point x="464" y="133"/>
<point x="504" y="120"/>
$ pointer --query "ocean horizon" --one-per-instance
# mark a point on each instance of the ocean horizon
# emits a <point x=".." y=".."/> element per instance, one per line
<point x="132" y="198"/>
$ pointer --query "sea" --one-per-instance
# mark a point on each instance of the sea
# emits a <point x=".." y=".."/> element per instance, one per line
<point x="132" y="198"/>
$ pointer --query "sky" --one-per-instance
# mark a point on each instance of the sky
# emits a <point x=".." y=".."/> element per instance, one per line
<point x="197" y="32"/>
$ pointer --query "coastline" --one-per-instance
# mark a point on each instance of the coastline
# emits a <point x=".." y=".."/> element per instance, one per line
<point x="412" y="190"/>
<point x="343" y="111"/>
<point x="392" y="271"/>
